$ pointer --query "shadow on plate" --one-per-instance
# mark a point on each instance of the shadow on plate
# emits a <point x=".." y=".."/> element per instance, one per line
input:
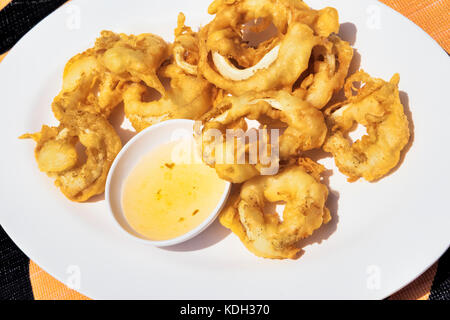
<point x="97" y="198"/>
<point x="317" y="154"/>
<point x="209" y="237"/>
<point x="347" y="32"/>
<point x="117" y="119"/>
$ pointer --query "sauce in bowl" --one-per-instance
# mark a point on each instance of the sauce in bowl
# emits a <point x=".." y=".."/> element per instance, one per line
<point x="164" y="198"/>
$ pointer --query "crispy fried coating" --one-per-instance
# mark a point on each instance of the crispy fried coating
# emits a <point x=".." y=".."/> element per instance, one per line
<point x="234" y="13"/>
<point x="87" y="86"/>
<point x="304" y="129"/>
<point x="233" y="64"/>
<point x="94" y="80"/>
<point x="188" y="97"/>
<point x="330" y="64"/>
<point x="185" y="47"/>
<point x="376" y="106"/>
<point x="296" y="48"/>
<point x="134" y="58"/>
<point x="56" y="153"/>
<point x="265" y="234"/>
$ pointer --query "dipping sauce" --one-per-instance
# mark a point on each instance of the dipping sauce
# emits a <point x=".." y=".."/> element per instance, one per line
<point x="163" y="199"/>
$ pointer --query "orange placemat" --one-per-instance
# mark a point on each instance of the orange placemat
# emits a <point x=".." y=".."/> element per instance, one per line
<point x="431" y="15"/>
<point x="45" y="287"/>
<point x="3" y="3"/>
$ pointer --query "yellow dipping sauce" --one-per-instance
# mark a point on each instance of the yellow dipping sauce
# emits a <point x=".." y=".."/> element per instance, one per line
<point x="163" y="199"/>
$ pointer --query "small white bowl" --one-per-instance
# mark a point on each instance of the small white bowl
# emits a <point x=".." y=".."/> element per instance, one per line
<point x="139" y="146"/>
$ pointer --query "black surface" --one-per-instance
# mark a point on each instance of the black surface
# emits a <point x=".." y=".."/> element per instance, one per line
<point x="18" y="17"/>
<point x="440" y="290"/>
<point x="14" y="271"/>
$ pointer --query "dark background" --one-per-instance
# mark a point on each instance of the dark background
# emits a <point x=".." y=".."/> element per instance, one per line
<point x="18" y="17"/>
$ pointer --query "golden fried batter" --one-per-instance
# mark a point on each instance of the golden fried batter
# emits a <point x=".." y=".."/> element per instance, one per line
<point x="376" y="105"/>
<point x="87" y="86"/>
<point x="185" y="47"/>
<point x="57" y="156"/>
<point x="134" y="58"/>
<point x="266" y="235"/>
<point x="94" y="80"/>
<point x="330" y="63"/>
<point x="305" y="129"/>
<point x="188" y="97"/>
<point x="233" y="64"/>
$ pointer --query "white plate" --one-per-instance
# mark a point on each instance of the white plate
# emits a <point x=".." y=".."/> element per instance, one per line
<point x="382" y="236"/>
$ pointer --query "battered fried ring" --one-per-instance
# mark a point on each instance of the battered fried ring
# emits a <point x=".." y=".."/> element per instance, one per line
<point x="134" y="58"/>
<point x="330" y="64"/>
<point x="56" y="153"/>
<point x="87" y="86"/>
<point x="299" y="28"/>
<point x="185" y="47"/>
<point x="264" y="234"/>
<point x="188" y="97"/>
<point x="377" y="106"/>
<point x="93" y="81"/>
<point x="306" y="128"/>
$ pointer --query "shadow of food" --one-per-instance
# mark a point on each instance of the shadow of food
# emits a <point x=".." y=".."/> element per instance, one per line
<point x="116" y="119"/>
<point x="404" y="98"/>
<point x="347" y="32"/>
<point x="97" y="198"/>
<point x="317" y="154"/>
<point x="209" y="237"/>
<point x="354" y="67"/>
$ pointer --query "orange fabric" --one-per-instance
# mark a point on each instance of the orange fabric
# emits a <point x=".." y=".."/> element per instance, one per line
<point x="419" y="289"/>
<point x="45" y="287"/>
<point x="3" y="4"/>
<point x="431" y="15"/>
<point x="2" y="56"/>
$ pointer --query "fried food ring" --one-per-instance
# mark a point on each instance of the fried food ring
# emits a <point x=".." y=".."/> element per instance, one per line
<point x="57" y="156"/>
<point x="330" y="64"/>
<point x="185" y="47"/>
<point x="275" y="63"/>
<point x="265" y="235"/>
<point x="234" y="18"/>
<point x="305" y="129"/>
<point x="376" y="106"/>
<point x="94" y="80"/>
<point x="188" y="97"/>
<point x="87" y="86"/>
<point x="134" y="58"/>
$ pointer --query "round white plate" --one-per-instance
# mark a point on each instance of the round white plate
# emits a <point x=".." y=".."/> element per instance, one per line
<point x="382" y="236"/>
